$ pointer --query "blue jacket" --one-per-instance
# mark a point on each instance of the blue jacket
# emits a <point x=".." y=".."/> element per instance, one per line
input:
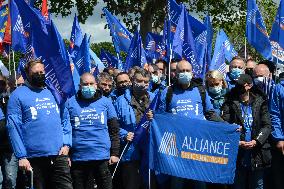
<point x="128" y="123"/>
<point x="277" y="111"/>
<point x="37" y="126"/>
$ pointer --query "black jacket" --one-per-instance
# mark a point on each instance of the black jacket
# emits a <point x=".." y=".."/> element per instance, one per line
<point x="261" y="126"/>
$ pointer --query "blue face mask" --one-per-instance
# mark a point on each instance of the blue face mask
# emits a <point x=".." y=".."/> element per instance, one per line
<point x="155" y="78"/>
<point x="215" y="90"/>
<point x="235" y="73"/>
<point x="88" y="92"/>
<point x="184" y="78"/>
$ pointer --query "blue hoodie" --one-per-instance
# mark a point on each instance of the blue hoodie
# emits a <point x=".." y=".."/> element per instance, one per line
<point x="277" y="111"/>
<point x="37" y="127"/>
<point x="231" y="83"/>
<point x="91" y="139"/>
<point x="128" y="123"/>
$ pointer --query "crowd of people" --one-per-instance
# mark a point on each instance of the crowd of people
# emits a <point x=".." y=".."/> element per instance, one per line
<point x="78" y="144"/>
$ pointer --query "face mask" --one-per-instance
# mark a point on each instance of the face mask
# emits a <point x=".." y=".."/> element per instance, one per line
<point x="121" y="90"/>
<point x="88" y="92"/>
<point x="215" y="90"/>
<point x="163" y="77"/>
<point x="184" y="78"/>
<point x="249" y="71"/>
<point x="37" y="80"/>
<point x="155" y="78"/>
<point x="235" y="73"/>
<point x="258" y="80"/>
<point x="139" y="89"/>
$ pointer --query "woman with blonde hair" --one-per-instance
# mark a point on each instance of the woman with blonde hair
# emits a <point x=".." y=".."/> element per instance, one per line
<point x="217" y="88"/>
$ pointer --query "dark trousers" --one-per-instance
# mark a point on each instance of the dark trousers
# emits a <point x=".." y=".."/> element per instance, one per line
<point x="83" y="173"/>
<point x="51" y="172"/>
<point x="130" y="176"/>
<point x="277" y="169"/>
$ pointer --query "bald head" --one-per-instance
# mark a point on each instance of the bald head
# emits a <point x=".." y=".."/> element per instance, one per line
<point x="183" y="66"/>
<point x="261" y="70"/>
<point x="250" y="64"/>
<point x="87" y="79"/>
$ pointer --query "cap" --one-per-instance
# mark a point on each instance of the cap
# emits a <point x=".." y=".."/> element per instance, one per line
<point x="243" y="79"/>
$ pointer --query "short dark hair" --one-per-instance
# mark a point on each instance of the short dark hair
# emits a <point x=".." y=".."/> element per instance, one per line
<point x="142" y="72"/>
<point x="161" y="61"/>
<point x="104" y="75"/>
<point x="31" y="64"/>
<point x="237" y="58"/>
<point x="119" y="74"/>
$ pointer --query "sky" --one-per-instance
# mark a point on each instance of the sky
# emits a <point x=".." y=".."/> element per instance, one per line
<point x="94" y="25"/>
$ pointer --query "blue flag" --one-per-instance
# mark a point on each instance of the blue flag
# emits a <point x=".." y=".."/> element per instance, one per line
<point x="183" y="43"/>
<point x="256" y="32"/>
<point x="96" y="71"/>
<point x="209" y="38"/>
<point x="121" y="36"/>
<point x="174" y="11"/>
<point x="108" y="59"/>
<point x="76" y="37"/>
<point x="3" y="20"/>
<point x="277" y="35"/>
<point x="223" y="50"/>
<point x="95" y="60"/>
<point x="155" y="47"/>
<point x="45" y="45"/>
<point x="143" y="126"/>
<point x="82" y="60"/>
<point x="136" y="55"/>
<point x="194" y="149"/>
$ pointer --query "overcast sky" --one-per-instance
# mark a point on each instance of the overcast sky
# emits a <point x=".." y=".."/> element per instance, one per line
<point x="94" y="25"/>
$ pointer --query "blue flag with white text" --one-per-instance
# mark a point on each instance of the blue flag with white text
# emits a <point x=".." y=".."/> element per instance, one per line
<point x="108" y="59"/>
<point x="223" y="50"/>
<point x="277" y="35"/>
<point x="76" y="37"/>
<point x="256" y="32"/>
<point x="45" y="45"/>
<point x="183" y="43"/>
<point x="209" y="39"/>
<point x="121" y="36"/>
<point x="136" y="55"/>
<point x="82" y="61"/>
<point x="155" y="47"/>
<point x="193" y="149"/>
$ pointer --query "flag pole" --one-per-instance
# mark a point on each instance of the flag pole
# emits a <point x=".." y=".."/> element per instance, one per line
<point x="122" y="153"/>
<point x="14" y="64"/>
<point x="245" y="48"/>
<point x="149" y="177"/>
<point x="9" y="56"/>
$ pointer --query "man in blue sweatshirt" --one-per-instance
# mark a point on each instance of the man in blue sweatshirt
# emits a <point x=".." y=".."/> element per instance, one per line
<point x="277" y="120"/>
<point x="40" y="131"/>
<point x="95" y="131"/>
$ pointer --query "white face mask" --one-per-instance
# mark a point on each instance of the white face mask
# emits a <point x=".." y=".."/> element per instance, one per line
<point x="258" y="80"/>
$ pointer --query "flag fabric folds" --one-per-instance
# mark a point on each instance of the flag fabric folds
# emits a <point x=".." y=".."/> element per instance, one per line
<point x="193" y="149"/>
<point x="82" y="61"/>
<point x="121" y="36"/>
<point x="223" y="50"/>
<point x="45" y="43"/>
<point x="76" y="37"/>
<point x="183" y="43"/>
<point x="3" y="21"/>
<point x="155" y="47"/>
<point x="136" y="55"/>
<point x="108" y="59"/>
<point x="256" y="32"/>
<point x="277" y="35"/>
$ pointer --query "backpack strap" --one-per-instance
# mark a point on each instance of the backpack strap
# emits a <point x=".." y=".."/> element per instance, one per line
<point x="202" y="92"/>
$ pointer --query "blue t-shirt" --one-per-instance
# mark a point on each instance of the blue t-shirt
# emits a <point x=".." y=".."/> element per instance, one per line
<point x="35" y="123"/>
<point x="90" y="139"/>
<point x="187" y="103"/>
<point x="248" y="119"/>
